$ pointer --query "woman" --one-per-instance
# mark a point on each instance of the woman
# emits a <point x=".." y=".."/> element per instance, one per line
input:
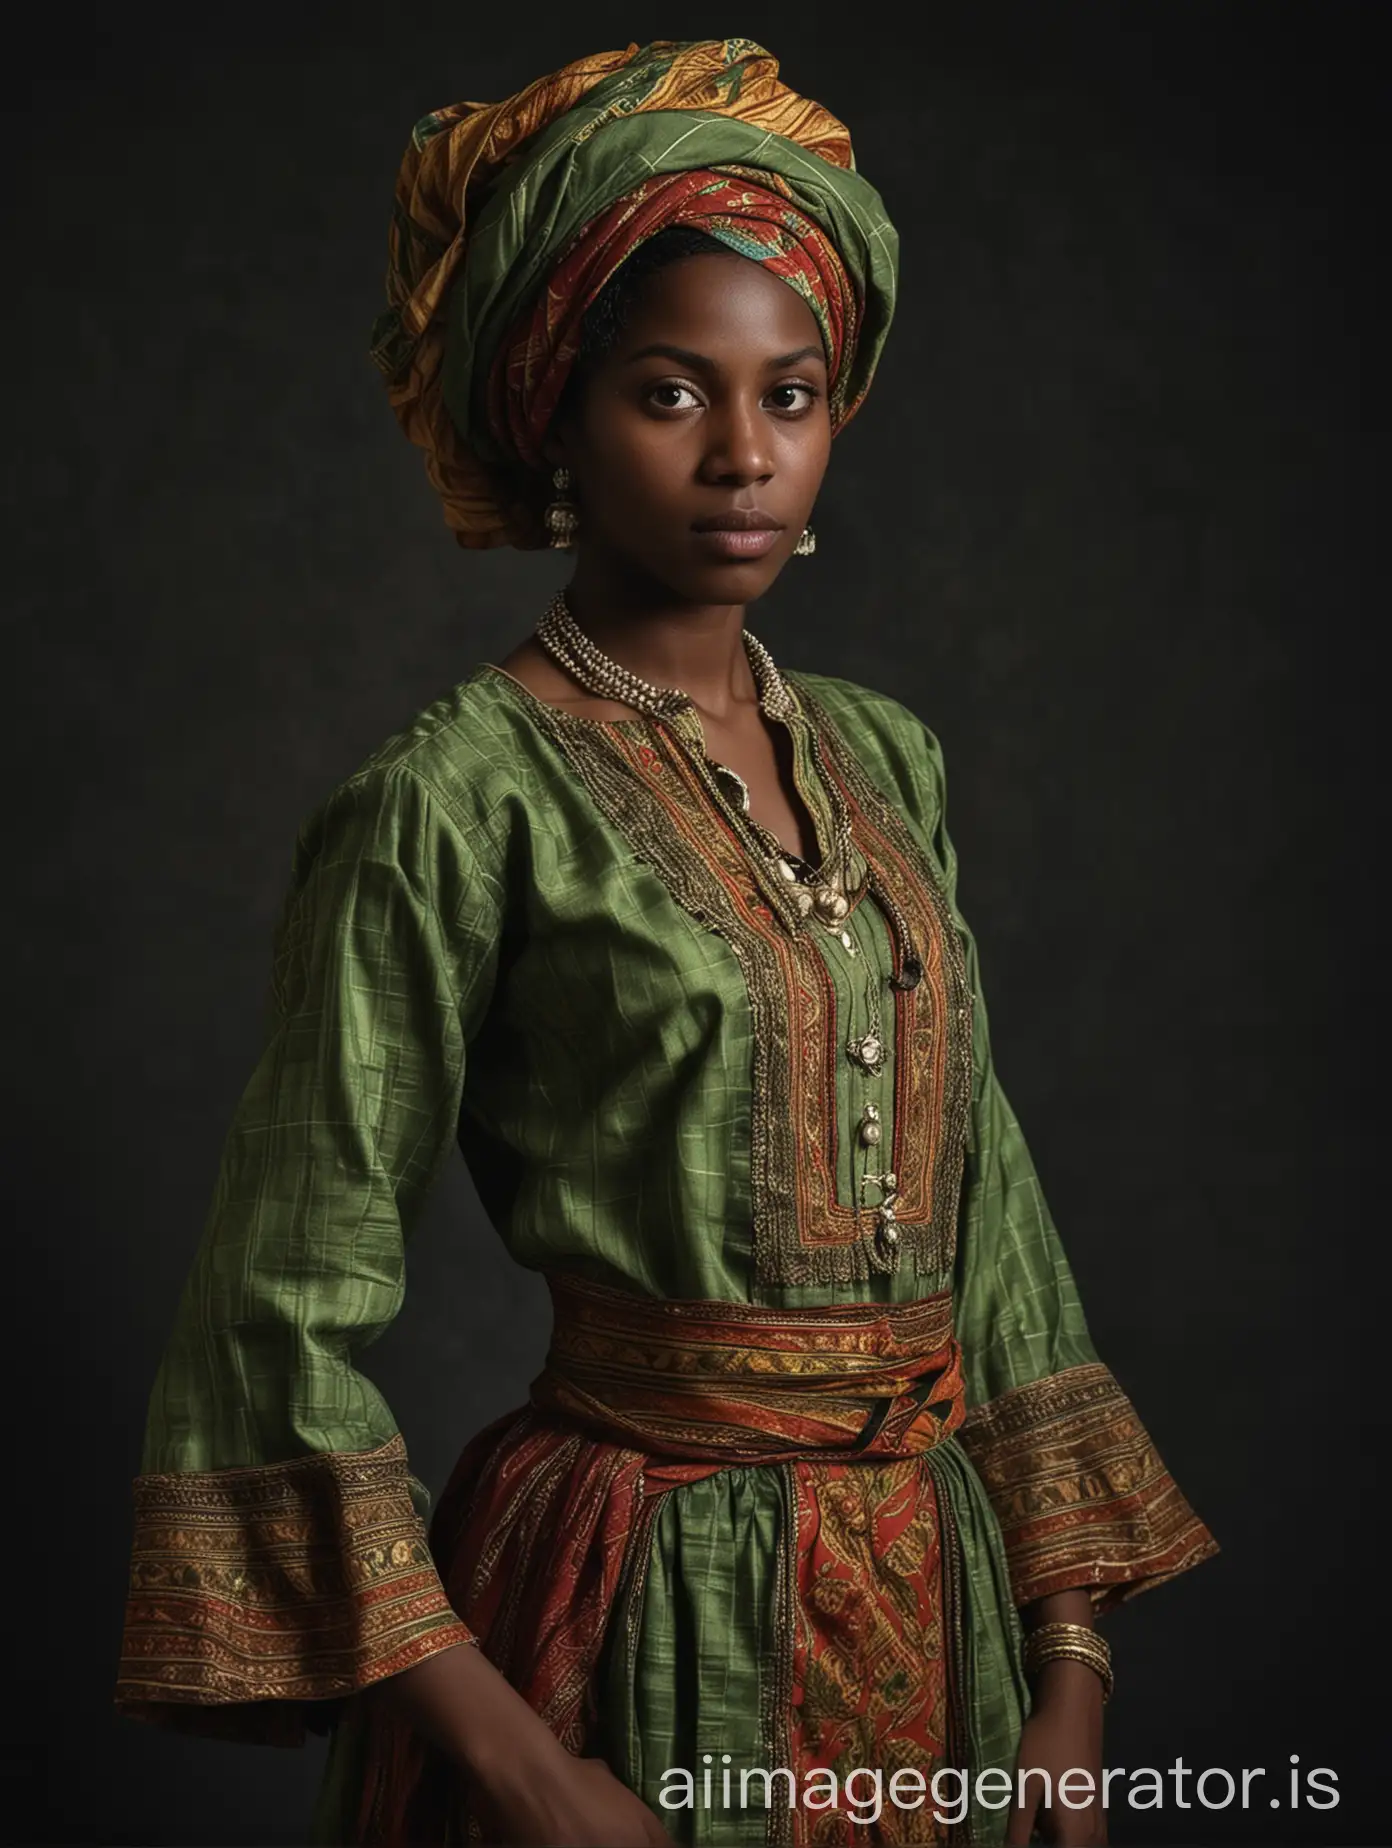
<point x="667" y="939"/>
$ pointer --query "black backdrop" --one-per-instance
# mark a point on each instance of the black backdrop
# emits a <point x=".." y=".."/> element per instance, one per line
<point x="1105" y="523"/>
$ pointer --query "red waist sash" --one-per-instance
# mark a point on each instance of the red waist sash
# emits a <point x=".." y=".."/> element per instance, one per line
<point x="731" y="1383"/>
<point x="550" y="1509"/>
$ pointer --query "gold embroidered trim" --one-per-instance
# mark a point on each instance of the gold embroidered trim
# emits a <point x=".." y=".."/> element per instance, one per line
<point x="803" y="1234"/>
<point x="296" y="1581"/>
<point x="1080" y="1491"/>
<point x="933" y="1024"/>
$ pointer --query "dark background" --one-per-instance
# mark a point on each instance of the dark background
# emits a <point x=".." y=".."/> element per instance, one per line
<point x="1106" y="523"/>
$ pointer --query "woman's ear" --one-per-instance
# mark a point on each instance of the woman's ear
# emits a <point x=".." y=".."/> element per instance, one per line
<point x="555" y="448"/>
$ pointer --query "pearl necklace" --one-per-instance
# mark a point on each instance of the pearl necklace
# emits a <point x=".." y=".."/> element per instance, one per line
<point x="824" y="894"/>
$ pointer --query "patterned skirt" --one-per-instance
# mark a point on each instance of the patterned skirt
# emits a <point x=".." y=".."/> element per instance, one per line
<point x="739" y="1554"/>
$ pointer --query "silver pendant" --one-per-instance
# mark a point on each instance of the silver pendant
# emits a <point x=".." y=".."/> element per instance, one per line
<point x="830" y="904"/>
<point x="826" y="903"/>
<point x="869" y="1053"/>
<point x="887" y="1234"/>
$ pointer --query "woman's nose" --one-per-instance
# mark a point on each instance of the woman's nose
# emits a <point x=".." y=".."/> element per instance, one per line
<point x="738" y="447"/>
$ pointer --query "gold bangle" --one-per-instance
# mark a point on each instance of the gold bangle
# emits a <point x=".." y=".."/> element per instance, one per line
<point x="1088" y="1660"/>
<point x="1047" y="1634"/>
<point x="1050" y="1638"/>
<point x="1074" y="1642"/>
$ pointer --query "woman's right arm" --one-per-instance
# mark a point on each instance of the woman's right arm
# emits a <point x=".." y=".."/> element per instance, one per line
<point x="280" y="1557"/>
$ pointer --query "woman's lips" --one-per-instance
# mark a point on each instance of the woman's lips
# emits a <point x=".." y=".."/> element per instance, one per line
<point x="750" y="542"/>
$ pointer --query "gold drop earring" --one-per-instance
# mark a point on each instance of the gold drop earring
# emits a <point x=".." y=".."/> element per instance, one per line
<point x="806" y="545"/>
<point x="562" y="518"/>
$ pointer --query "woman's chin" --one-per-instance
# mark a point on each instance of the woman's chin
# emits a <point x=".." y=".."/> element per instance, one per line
<point x="731" y="580"/>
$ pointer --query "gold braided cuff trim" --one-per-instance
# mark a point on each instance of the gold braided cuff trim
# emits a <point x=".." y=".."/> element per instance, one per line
<point x="1079" y="1489"/>
<point x="295" y="1581"/>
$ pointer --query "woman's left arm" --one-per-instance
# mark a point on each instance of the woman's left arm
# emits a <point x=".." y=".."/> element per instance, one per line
<point x="1088" y="1512"/>
<point x="1083" y="1500"/>
<point x="1062" y="1738"/>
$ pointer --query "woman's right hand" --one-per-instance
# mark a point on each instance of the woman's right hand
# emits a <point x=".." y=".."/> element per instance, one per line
<point x="527" y="1789"/>
<point x="562" y="1802"/>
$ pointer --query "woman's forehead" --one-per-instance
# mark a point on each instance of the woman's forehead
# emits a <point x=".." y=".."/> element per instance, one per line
<point x="723" y="305"/>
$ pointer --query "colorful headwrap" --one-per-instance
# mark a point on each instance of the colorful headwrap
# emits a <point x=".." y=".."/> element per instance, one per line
<point x="511" y="218"/>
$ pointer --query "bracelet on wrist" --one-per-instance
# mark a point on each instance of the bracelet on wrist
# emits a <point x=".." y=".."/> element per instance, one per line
<point x="1073" y="1642"/>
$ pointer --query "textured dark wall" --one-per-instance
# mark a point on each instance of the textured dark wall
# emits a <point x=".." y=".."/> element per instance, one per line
<point x="1104" y="523"/>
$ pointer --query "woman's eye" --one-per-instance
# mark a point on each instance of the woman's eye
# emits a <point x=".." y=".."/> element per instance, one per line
<point x="669" y="396"/>
<point x="794" y="398"/>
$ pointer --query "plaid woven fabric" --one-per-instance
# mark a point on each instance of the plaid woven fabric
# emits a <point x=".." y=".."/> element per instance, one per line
<point x="472" y="950"/>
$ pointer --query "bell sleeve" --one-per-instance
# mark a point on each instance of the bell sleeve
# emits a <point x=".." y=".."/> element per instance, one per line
<point x="279" y="1555"/>
<point x="1078" y="1488"/>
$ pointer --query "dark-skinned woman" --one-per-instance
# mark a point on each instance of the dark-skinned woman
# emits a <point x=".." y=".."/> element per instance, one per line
<point x="823" y="1480"/>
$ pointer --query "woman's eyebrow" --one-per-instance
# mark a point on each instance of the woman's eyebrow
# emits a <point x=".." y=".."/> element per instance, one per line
<point x="684" y="356"/>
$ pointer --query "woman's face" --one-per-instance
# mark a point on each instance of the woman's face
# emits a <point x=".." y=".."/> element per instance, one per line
<point x="700" y="440"/>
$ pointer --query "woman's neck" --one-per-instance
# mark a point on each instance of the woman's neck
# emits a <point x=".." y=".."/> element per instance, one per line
<point x="697" y="647"/>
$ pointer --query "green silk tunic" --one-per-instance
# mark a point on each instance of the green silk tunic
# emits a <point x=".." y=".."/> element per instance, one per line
<point x="479" y="944"/>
